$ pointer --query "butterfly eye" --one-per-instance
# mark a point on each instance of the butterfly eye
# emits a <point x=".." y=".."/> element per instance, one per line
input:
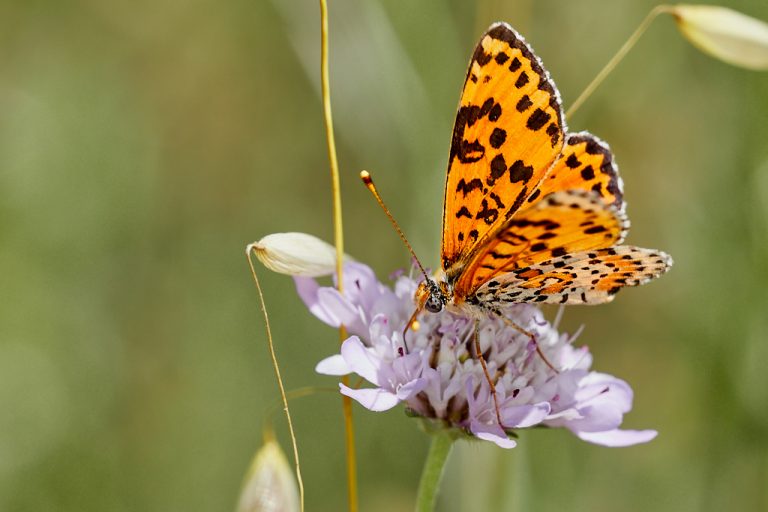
<point x="433" y="304"/>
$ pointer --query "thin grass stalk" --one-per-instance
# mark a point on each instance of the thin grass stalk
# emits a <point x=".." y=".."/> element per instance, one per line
<point x="659" y="9"/>
<point x="338" y="234"/>
<point x="276" y="366"/>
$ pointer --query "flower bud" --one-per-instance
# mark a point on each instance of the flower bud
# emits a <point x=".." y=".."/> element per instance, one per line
<point x="269" y="485"/>
<point x="295" y="254"/>
<point x="726" y="34"/>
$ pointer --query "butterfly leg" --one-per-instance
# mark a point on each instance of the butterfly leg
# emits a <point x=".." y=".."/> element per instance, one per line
<point x="530" y="335"/>
<point x="412" y="324"/>
<point x="480" y="357"/>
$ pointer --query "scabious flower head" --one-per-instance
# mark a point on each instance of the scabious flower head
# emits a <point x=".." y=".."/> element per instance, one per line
<point x="439" y="378"/>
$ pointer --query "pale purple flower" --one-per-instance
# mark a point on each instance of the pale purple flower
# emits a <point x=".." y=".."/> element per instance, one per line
<point x="440" y="378"/>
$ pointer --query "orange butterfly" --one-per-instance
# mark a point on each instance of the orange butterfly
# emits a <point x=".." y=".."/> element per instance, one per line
<point x="532" y="213"/>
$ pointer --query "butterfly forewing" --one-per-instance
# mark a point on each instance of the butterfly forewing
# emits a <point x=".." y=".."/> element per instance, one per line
<point x="508" y="133"/>
<point x="562" y="223"/>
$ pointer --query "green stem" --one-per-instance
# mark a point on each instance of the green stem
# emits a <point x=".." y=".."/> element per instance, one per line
<point x="433" y="470"/>
<point x="659" y="9"/>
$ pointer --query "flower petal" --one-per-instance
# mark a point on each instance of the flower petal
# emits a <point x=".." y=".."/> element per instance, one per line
<point x="360" y="285"/>
<point x="337" y="307"/>
<point x="411" y="388"/>
<point x="361" y="360"/>
<point x="374" y="399"/>
<point x="602" y="387"/>
<point x="618" y="438"/>
<point x="333" y="365"/>
<point x="601" y="403"/>
<point x="307" y="289"/>
<point x="499" y="437"/>
<point x="522" y="416"/>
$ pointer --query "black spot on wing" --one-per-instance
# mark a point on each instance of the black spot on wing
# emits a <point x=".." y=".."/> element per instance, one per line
<point x="487" y="214"/>
<point x="554" y="133"/>
<point x="498" y="168"/>
<point x="535" y="195"/>
<point x="523" y="103"/>
<point x="498" y="136"/>
<point x="468" y="151"/>
<point x="463" y="212"/>
<point x="518" y="172"/>
<point x="497" y="200"/>
<point x="480" y="56"/>
<point x="538" y="119"/>
<point x="518" y="201"/>
<point x="495" y="112"/>
<point x="466" y="187"/>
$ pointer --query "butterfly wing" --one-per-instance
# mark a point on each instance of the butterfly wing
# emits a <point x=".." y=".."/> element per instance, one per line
<point x="586" y="163"/>
<point x="578" y="206"/>
<point x="587" y="277"/>
<point x="509" y="131"/>
<point x="562" y="223"/>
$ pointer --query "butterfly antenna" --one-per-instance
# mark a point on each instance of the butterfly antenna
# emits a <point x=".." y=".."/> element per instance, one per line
<point x="368" y="181"/>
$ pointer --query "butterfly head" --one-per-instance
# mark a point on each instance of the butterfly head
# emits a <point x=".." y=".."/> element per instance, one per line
<point x="431" y="297"/>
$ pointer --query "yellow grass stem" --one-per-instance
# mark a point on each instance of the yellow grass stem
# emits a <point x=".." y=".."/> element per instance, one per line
<point x="248" y="253"/>
<point x="338" y="234"/>
<point x="659" y="9"/>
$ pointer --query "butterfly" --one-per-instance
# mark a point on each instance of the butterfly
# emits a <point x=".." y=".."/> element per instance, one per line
<point x="532" y="213"/>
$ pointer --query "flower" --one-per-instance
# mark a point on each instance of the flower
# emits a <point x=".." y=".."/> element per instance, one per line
<point x="438" y="376"/>
<point x="269" y="485"/>
<point x="295" y="254"/>
<point x="726" y="34"/>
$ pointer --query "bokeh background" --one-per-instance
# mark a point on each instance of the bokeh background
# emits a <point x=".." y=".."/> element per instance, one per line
<point x="143" y="144"/>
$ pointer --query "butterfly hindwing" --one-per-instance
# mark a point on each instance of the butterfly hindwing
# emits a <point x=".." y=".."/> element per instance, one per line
<point x="562" y="223"/>
<point x="587" y="277"/>
<point x="586" y="163"/>
<point x="509" y="130"/>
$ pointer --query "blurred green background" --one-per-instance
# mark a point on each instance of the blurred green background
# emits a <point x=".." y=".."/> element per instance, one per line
<point x="143" y="144"/>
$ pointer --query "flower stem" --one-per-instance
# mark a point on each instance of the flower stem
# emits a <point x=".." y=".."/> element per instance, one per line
<point x="248" y="253"/>
<point x="433" y="470"/>
<point x="659" y="9"/>
<point x="338" y="235"/>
